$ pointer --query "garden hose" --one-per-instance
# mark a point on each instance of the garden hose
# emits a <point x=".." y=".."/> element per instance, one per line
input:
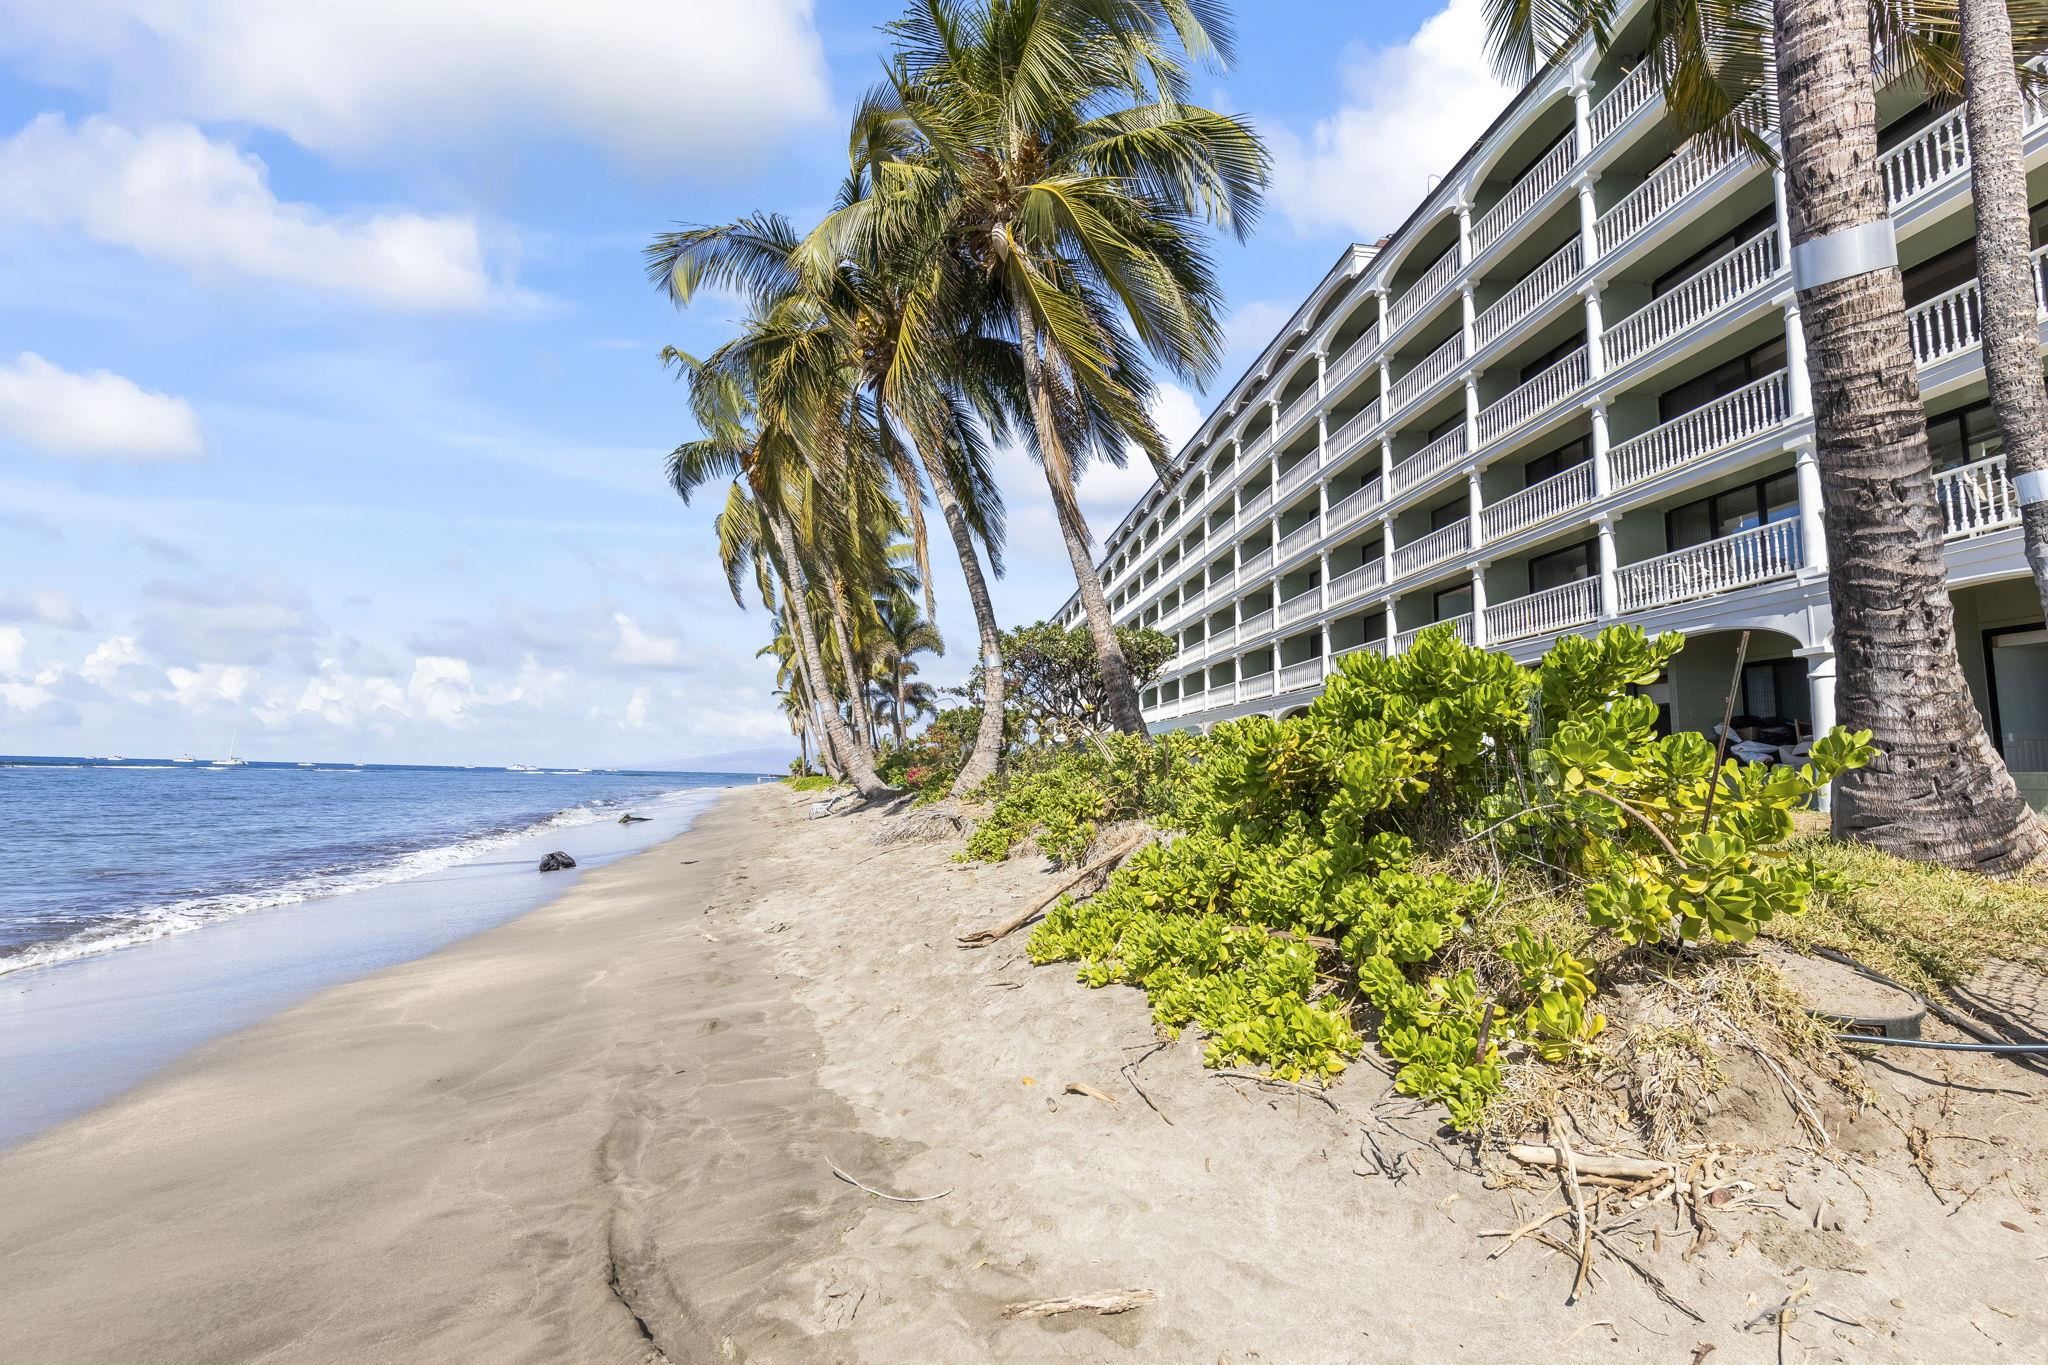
<point x="1988" y="1042"/>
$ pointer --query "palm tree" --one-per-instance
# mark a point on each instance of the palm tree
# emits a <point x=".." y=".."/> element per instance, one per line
<point x="937" y="389"/>
<point x="1939" y="790"/>
<point x="766" y="457"/>
<point x="1043" y="154"/>
<point x="904" y="634"/>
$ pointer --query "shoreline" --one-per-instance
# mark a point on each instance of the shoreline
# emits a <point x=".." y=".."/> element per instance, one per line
<point x="606" y="1130"/>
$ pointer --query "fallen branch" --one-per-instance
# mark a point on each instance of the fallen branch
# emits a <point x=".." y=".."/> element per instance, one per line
<point x="1076" y="1088"/>
<point x="1276" y="1083"/>
<point x="1118" y="1301"/>
<point x="1592" y="1163"/>
<point x="1130" y="1071"/>
<point x="1649" y="1276"/>
<point x="1582" y="1220"/>
<point x="882" y="1194"/>
<point x="1534" y="1225"/>
<point x="981" y="938"/>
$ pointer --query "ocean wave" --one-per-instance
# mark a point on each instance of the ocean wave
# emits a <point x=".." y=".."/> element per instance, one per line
<point x="146" y="924"/>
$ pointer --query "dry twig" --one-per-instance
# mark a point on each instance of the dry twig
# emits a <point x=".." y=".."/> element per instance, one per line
<point x="881" y="1194"/>
<point x="1102" y="866"/>
<point x="1117" y="1301"/>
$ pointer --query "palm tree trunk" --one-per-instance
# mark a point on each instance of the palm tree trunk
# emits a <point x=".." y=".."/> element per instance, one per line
<point x="896" y="721"/>
<point x="856" y="765"/>
<point x="856" y="676"/>
<point x="2008" y="304"/>
<point x="988" y="739"/>
<point x="1119" y="688"/>
<point x="803" y="745"/>
<point x="1939" y="791"/>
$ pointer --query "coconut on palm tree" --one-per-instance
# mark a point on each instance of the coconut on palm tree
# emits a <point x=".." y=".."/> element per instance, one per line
<point x="1043" y="155"/>
<point x="1939" y="791"/>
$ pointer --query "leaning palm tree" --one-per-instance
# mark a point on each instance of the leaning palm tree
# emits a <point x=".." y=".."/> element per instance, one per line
<point x="905" y="634"/>
<point x="766" y="457"/>
<point x="1939" y="791"/>
<point x="1044" y="154"/>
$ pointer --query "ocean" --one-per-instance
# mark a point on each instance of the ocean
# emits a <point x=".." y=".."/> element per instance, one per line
<point x="147" y="906"/>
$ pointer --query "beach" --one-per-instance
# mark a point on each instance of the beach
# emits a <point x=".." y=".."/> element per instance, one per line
<point x="608" y="1131"/>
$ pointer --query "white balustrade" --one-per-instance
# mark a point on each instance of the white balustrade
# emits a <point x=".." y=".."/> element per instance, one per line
<point x="1522" y="196"/>
<point x="1355" y="582"/>
<point x="1945" y="324"/>
<point x="1635" y="90"/>
<point x="1356" y="428"/>
<point x="1307" y="673"/>
<point x="1541" y="613"/>
<point x="1696" y="163"/>
<point x="1737" y="275"/>
<point x="1256" y="503"/>
<point x="1753" y="556"/>
<point x="1254" y="562"/>
<point x="1728" y="420"/>
<point x="1303" y="404"/>
<point x="1446" y="542"/>
<point x="1378" y="647"/>
<point x="1300" y="605"/>
<point x="1220" y="581"/>
<point x="1445" y="452"/>
<point x="1976" y="498"/>
<point x="1255" y="446"/>
<point x="1353" y="506"/>
<point x="1427" y="286"/>
<point x="1532" y="399"/>
<point x="1252" y="627"/>
<point x="1337" y="371"/>
<point x="1299" y="473"/>
<point x="1252" y="688"/>
<point x="1537" y="503"/>
<point x="1930" y="156"/>
<point x="1221" y="639"/>
<point x="1529" y="293"/>
<point x="1429" y="371"/>
<point x="1461" y="625"/>
<point x="1300" y="538"/>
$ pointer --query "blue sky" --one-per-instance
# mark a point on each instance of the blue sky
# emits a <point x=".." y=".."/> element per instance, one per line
<point x="330" y="413"/>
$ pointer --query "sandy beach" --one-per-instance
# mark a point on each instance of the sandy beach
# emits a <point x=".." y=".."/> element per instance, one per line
<point x="606" y="1131"/>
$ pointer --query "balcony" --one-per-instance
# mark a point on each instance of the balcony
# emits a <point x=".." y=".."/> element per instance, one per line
<point x="1220" y="581"/>
<point x="1539" y="180"/>
<point x="1303" y="404"/>
<point x="1534" y="398"/>
<point x="1251" y="689"/>
<point x="1307" y="673"/>
<point x="1344" y="366"/>
<point x="1378" y="647"/>
<point x="1258" y="445"/>
<point x="1737" y="275"/>
<point x="1424" y="291"/>
<point x="1543" y="613"/>
<point x="1530" y="293"/>
<point x="1445" y="452"/>
<point x="1357" y="582"/>
<point x="1300" y="605"/>
<point x="1298" y="474"/>
<point x="1299" y="539"/>
<point x="1355" y="429"/>
<point x="1429" y="371"/>
<point x="1256" y="503"/>
<point x="1461" y="625"/>
<point x="1446" y="542"/>
<point x="1538" y="503"/>
<point x="1252" y="627"/>
<point x="1737" y="561"/>
<point x="1354" y="507"/>
<point x="1727" y="421"/>
<point x="1699" y="161"/>
<point x="1977" y="498"/>
<point x="1635" y="90"/>
<point x="1222" y="639"/>
<point x="1257" y="562"/>
<point x="1950" y="323"/>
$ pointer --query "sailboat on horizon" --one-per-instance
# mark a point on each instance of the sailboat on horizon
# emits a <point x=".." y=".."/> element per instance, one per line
<point x="231" y="761"/>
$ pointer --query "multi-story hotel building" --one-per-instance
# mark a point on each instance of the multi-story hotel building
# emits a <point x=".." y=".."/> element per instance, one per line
<point x="1571" y="390"/>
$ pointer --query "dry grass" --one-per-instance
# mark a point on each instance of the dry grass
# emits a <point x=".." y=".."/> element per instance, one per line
<point x="1928" y="927"/>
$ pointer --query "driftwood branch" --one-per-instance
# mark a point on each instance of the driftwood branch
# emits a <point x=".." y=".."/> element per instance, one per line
<point x="882" y="1194"/>
<point x="1591" y="1163"/>
<point x="1116" y="1301"/>
<point x="1101" y="867"/>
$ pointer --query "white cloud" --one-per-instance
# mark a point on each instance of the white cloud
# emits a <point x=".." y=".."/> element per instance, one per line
<point x="636" y="709"/>
<point x="638" y="648"/>
<point x="197" y="689"/>
<point x="173" y="194"/>
<point x="660" y="82"/>
<point x="1410" y="112"/>
<point x="97" y="415"/>
<point x="44" y="606"/>
<point x="441" y="690"/>
<point x="13" y="649"/>
<point x="108" y="658"/>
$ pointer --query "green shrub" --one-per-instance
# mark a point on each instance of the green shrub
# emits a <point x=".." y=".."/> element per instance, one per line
<point x="1317" y="843"/>
<point x="814" y="782"/>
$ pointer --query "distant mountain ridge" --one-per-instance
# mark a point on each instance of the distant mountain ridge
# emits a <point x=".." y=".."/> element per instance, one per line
<point x="770" y="759"/>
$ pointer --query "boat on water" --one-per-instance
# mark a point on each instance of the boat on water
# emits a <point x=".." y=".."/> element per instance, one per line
<point x="231" y="761"/>
<point x="522" y="768"/>
<point x="184" y="758"/>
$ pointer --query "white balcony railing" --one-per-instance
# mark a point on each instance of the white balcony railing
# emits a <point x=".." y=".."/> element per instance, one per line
<point x="1445" y="452"/>
<point x="1930" y="156"/>
<point x="1737" y="275"/>
<point x="1357" y="582"/>
<point x="1532" y="399"/>
<point x="1729" y="420"/>
<point x="1699" y="161"/>
<point x="1255" y="562"/>
<point x="1220" y="581"/>
<point x="1446" y="542"/>
<point x="1529" y="293"/>
<point x="1341" y="369"/>
<point x="1259" y="443"/>
<point x="1541" y="613"/>
<point x="1427" y="286"/>
<point x="1977" y="498"/>
<point x="1300" y="538"/>
<point x="1252" y="627"/>
<point x="1429" y="371"/>
<point x="1356" y="428"/>
<point x="1298" y="606"/>
<point x="1298" y="474"/>
<point x="1378" y="647"/>
<point x="1537" y="503"/>
<point x="1307" y="673"/>
<point x="1951" y="323"/>
<point x="1303" y="404"/>
<point x="1249" y="689"/>
<point x="1522" y="196"/>
<point x="1635" y="90"/>
<point x="1222" y="638"/>
<point x="1754" y="556"/>
<point x="1462" y="625"/>
<point x="1256" y="503"/>
<point x="1353" y="507"/>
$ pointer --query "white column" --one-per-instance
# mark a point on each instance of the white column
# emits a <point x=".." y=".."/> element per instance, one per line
<point x="1322" y="373"/>
<point x="1479" y="605"/>
<point x="1473" y="502"/>
<point x="1582" y="120"/>
<point x="1820" y="681"/>
<point x="1603" y="476"/>
<point x="1784" y="218"/>
<point x="1467" y="312"/>
<point x="1813" y="542"/>
<point x="1380" y="324"/>
<point x="1471" y="413"/>
<point x="1322" y="436"/>
<point x="1799" y="386"/>
<point x="1596" y="330"/>
<point x="1386" y="383"/>
<point x="1464" y="233"/>
<point x="1610" y="602"/>
<point x="1386" y="469"/>
<point x="1589" y="223"/>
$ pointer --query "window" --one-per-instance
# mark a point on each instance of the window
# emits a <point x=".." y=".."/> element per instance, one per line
<point x="1778" y="690"/>
<point x="1557" y="462"/>
<point x="1724" y="378"/>
<point x="1559" y="567"/>
<point x="1738" y="509"/>
<point x="1450" y="514"/>
<point x="1550" y="357"/>
<point x="1445" y="427"/>
<point x="1761" y="221"/>
<point x="1452" y="602"/>
<point x="1963" y="436"/>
